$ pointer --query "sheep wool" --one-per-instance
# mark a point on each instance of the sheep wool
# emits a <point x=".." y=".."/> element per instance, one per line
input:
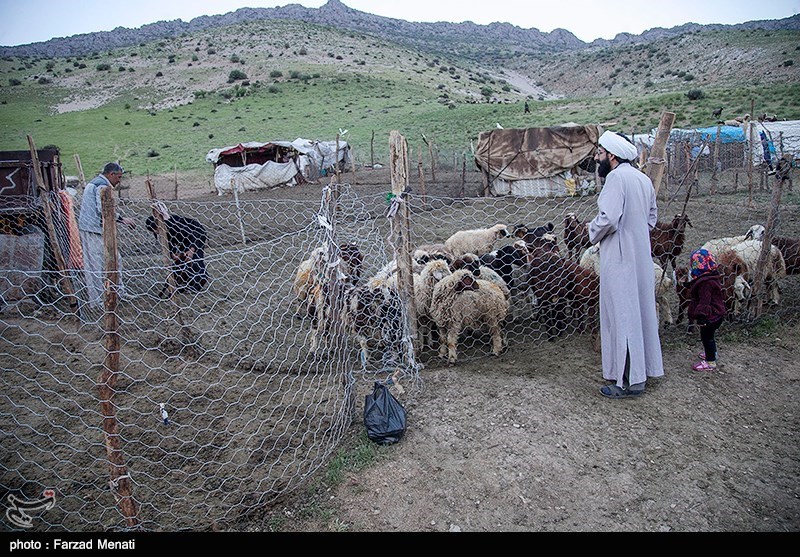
<point x="453" y="311"/>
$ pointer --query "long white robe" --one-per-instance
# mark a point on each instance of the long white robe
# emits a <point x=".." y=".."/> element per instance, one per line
<point x="627" y="212"/>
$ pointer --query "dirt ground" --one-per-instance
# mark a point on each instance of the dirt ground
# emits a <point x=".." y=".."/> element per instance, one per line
<point x="525" y="442"/>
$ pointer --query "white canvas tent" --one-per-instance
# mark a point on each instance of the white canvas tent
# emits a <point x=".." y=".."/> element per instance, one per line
<point x="254" y="165"/>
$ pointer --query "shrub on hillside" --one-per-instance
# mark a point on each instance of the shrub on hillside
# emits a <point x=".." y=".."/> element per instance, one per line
<point x="236" y="75"/>
<point x="276" y="73"/>
<point x="13" y="81"/>
<point x="695" y="94"/>
<point x="103" y="67"/>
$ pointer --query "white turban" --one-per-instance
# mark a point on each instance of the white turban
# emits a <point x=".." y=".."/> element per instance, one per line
<point x="618" y="146"/>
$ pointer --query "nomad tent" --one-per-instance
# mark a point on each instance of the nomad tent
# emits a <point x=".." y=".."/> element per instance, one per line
<point x="537" y="162"/>
<point x="26" y="248"/>
<point x="255" y="166"/>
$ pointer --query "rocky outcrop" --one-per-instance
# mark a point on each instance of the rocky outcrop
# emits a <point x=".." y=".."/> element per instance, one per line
<point x="467" y="38"/>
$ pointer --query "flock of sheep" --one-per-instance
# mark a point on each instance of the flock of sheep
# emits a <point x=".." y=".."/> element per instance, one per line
<point x="466" y="284"/>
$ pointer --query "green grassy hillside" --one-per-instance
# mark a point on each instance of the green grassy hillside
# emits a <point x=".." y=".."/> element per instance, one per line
<point x="161" y="106"/>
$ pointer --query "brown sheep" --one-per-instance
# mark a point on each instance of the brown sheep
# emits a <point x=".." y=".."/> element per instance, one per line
<point x="667" y="239"/>
<point x="576" y="236"/>
<point x="562" y="289"/>
<point x="790" y="249"/>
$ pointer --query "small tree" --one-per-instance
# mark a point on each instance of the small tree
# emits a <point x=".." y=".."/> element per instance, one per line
<point x="236" y="75"/>
<point x="695" y="95"/>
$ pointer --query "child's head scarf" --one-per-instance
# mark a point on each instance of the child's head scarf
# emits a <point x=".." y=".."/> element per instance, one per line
<point x="702" y="262"/>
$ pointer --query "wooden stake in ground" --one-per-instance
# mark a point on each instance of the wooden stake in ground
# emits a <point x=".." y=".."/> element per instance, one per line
<point x="715" y="161"/>
<point x="398" y="155"/>
<point x="44" y="196"/>
<point x="176" y="183"/>
<point x="421" y="180"/>
<point x="372" y="150"/>
<point x="656" y="160"/>
<point x="238" y="211"/>
<point x="433" y="162"/>
<point x="463" y="176"/>
<point x="120" y="481"/>
<point x="756" y="296"/>
<point x="189" y="340"/>
<point x="81" y="176"/>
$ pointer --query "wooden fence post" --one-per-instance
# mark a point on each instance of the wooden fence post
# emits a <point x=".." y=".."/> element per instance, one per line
<point x="756" y="296"/>
<point x="81" y="176"/>
<point x="398" y="156"/>
<point x="715" y="162"/>
<point x="44" y="197"/>
<point x="655" y="162"/>
<point x="120" y="481"/>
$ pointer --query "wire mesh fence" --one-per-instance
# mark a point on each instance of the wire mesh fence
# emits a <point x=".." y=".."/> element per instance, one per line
<point x="253" y="404"/>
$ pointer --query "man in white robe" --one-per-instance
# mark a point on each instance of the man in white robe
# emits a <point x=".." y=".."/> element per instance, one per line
<point x="627" y="211"/>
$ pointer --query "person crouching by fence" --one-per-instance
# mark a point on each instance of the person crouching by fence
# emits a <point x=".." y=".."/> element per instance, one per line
<point x="186" y="239"/>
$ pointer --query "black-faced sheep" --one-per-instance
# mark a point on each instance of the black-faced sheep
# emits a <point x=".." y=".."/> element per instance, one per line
<point x="504" y="261"/>
<point x="477" y="241"/>
<point x="473" y="263"/>
<point x="531" y="235"/>
<point x="374" y="315"/>
<point x="460" y="302"/>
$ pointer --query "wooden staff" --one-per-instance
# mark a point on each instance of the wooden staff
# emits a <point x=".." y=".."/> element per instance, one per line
<point x="44" y="197"/>
<point x="120" y="481"/>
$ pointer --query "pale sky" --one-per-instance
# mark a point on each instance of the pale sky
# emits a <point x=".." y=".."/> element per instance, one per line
<point x="28" y="21"/>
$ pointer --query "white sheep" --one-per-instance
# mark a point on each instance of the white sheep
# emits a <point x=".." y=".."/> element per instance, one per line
<point x="663" y="282"/>
<point x="308" y="273"/>
<point x="749" y="252"/>
<point x="424" y="283"/>
<point x="460" y="302"/>
<point x="755" y="232"/>
<point x="478" y="241"/>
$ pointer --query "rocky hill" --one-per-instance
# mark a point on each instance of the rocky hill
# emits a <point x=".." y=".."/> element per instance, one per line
<point x="466" y="39"/>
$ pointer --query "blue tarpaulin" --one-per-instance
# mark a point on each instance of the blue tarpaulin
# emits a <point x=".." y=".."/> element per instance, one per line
<point x="727" y="134"/>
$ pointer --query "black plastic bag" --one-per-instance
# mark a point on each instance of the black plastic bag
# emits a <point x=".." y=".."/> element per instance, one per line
<point x="384" y="416"/>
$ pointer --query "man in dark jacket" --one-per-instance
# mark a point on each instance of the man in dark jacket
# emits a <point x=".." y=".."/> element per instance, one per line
<point x="186" y="238"/>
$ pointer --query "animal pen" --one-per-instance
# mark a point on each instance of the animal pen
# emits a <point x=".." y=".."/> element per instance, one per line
<point x="251" y="414"/>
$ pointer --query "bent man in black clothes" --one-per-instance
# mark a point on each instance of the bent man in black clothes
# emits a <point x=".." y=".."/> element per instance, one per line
<point x="187" y="241"/>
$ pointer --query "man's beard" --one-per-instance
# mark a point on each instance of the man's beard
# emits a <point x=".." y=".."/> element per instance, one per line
<point x="603" y="168"/>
